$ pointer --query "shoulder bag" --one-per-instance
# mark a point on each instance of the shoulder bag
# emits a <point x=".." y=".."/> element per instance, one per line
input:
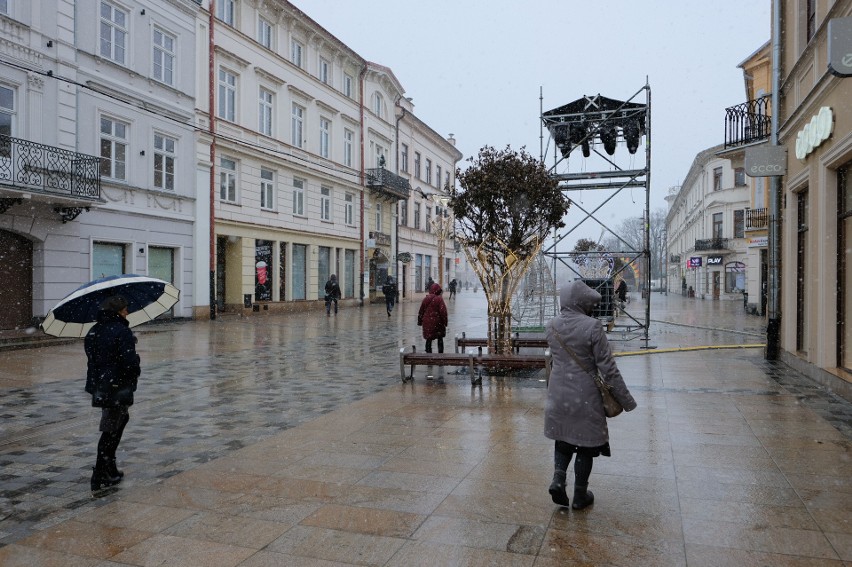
<point x="611" y="406"/>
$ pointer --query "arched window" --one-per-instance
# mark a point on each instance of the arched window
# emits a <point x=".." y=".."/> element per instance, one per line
<point x="379" y="105"/>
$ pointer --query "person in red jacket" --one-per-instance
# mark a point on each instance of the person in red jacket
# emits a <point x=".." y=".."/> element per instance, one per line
<point x="433" y="317"/>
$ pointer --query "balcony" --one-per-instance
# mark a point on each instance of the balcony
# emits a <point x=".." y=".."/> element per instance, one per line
<point x="711" y="244"/>
<point x="47" y="170"/>
<point x="674" y="258"/>
<point x="756" y="219"/>
<point x="388" y="183"/>
<point x="747" y="123"/>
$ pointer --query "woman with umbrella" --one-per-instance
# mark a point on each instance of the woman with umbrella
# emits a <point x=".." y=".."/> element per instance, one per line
<point x="113" y="371"/>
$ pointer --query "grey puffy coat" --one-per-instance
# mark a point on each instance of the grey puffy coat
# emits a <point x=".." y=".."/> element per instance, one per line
<point x="574" y="411"/>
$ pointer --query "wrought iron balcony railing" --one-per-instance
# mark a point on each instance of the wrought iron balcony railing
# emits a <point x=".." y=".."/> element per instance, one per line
<point x="747" y="122"/>
<point x="711" y="244"/>
<point x="756" y="219"/>
<point x="674" y="258"/>
<point x="388" y="182"/>
<point x="49" y="170"/>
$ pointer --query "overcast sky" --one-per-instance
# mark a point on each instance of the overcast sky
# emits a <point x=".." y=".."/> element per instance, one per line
<point x="474" y="67"/>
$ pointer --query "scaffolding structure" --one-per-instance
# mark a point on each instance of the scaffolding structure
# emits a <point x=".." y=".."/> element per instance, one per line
<point x="596" y="126"/>
<point x="535" y="302"/>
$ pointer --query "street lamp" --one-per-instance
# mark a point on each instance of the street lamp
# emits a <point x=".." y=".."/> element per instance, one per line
<point x="442" y="224"/>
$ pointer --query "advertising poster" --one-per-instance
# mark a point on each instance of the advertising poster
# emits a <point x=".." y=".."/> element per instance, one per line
<point x="262" y="270"/>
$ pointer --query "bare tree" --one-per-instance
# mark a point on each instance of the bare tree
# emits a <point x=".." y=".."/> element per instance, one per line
<point x="632" y="232"/>
<point x="505" y="207"/>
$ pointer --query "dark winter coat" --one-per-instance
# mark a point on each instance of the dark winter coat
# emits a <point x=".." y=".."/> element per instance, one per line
<point x="433" y="314"/>
<point x="389" y="289"/>
<point x="113" y="365"/>
<point x="574" y="411"/>
<point x="332" y="290"/>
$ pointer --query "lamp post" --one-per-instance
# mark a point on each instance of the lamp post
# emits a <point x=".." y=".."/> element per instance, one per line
<point x="442" y="224"/>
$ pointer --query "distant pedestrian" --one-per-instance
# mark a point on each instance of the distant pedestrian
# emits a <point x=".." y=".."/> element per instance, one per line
<point x="111" y="378"/>
<point x="429" y="283"/>
<point x="453" y="286"/>
<point x="433" y="318"/>
<point x="574" y="415"/>
<point x="390" y="290"/>
<point x="621" y="292"/>
<point x="332" y="294"/>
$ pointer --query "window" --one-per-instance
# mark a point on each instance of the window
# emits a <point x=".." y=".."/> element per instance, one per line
<point x="378" y="217"/>
<point x="349" y="209"/>
<point x="810" y="19"/>
<point x="298" y="197"/>
<point x="164" y="57"/>
<point x="267" y="189"/>
<point x="379" y="105"/>
<point x="428" y="169"/>
<point x="296" y="53"/>
<point x="417" y="165"/>
<point x="325" y="203"/>
<point x="113" y="32"/>
<point x="403" y="212"/>
<point x="403" y="158"/>
<point x="428" y="225"/>
<point x="264" y="116"/>
<point x="108" y="259"/>
<point x="717" y="225"/>
<point x="349" y="271"/>
<point x="438" y="176"/>
<point x="325" y="127"/>
<point x="228" y="180"/>
<point x="739" y="224"/>
<point x="164" y="162"/>
<point x="348" y="145"/>
<point x="113" y="148"/>
<point x="717" y="179"/>
<point x="297" y="124"/>
<point x="447" y="179"/>
<point x="225" y="11"/>
<point x="323" y="268"/>
<point x="347" y="85"/>
<point x="7" y="111"/>
<point x="4" y="6"/>
<point x="300" y="271"/>
<point x="416" y="215"/>
<point x="227" y="95"/>
<point x="264" y="32"/>
<point x="324" y="71"/>
<point x="380" y="156"/>
<point x="739" y="177"/>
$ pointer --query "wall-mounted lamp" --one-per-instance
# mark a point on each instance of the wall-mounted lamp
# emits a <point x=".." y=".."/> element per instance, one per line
<point x="142" y="153"/>
<point x="50" y="43"/>
<point x="143" y="11"/>
<point x="142" y="250"/>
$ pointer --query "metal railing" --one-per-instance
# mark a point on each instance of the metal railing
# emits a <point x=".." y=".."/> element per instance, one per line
<point x="49" y="170"/>
<point x="756" y="218"/>
<point x="388" y="182"/>
<point x="747" y="122"/>
<point x="711" y="244"/>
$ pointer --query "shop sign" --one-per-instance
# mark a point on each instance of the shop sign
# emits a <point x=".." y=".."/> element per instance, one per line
<point x="694" y="262"/>
<point x="815" y="133"/>
<point x="262" y="267"/>
<point x="765" y="161"/>
<point x="758" y="242"/>
<point x="714" y="260"/>
<point x="840" y="47"/>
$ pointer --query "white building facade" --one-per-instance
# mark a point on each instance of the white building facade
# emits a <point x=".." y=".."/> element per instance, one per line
<point x="96" y="176"/>
<point x="705" y="227"/>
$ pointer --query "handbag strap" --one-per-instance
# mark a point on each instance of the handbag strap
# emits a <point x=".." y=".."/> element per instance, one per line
<point x="574" y="356"/>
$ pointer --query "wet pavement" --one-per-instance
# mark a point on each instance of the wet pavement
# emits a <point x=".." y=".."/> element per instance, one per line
<point x="290" y="440"/>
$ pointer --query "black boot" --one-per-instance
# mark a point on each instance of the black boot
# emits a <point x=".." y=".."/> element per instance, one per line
<point x="557" y="489"/>
<point x="582" y="497"/>
<point x="113" y="469"/>
<point x="102" y="477"/>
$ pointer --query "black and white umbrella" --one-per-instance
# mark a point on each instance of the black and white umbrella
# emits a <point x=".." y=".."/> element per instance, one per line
<point x="147" y="298"/>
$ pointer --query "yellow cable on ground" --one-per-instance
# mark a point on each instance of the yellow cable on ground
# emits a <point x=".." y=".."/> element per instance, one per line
<point x="686" y="349"/>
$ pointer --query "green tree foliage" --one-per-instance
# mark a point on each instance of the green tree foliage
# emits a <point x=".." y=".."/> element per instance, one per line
<point x="509" y="195"/>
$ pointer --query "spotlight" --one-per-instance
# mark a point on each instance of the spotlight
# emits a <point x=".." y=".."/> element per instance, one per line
<point x="632" y="133"/>
<point x="609" y="137"/>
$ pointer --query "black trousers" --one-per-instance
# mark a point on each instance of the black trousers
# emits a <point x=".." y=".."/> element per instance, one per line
<point x="113" y="421"/>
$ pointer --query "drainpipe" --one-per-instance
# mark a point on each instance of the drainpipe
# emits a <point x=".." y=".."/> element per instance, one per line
<point x="212" y="130"/>
<point x="773" y="328"/>
<point x="362" y="177"/>
<point x="396" y="170"/>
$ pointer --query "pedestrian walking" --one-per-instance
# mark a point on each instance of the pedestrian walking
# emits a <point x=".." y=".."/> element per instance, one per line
<point x="621" y="292"/>
<point x="111" y="379"/>
<point x="574" y="415"/>
<point x="453" y="286"/>
<point x="433" y="318"/>
<point x="429" y="283"/>
<point x="332" y="294"/>
<point x="389" y="289"/>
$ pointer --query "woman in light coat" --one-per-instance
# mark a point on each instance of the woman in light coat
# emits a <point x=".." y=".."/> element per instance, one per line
<point x="574" y="414"/>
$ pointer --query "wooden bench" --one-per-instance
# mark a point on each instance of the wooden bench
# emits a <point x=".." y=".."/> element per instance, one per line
<point x="462" y="342"/>
<point x="471" y="361"/>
